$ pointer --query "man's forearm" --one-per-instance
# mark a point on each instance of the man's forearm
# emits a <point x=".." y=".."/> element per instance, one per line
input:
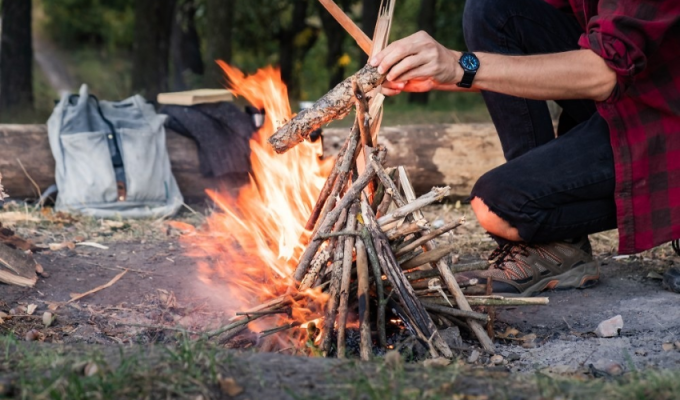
<point x="579" y="74"/>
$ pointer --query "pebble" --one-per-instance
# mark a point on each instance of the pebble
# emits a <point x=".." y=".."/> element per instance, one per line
<point x="497" y="359"/>
<point x="474" y="356"/>
<point x="610" y="328"/>
<point x="671" y="280"/>
<point x="513" y="357"/>
<point x="667" y="346"/>
<point x="640" y="353"/>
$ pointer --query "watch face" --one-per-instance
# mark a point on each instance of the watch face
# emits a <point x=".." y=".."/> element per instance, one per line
<point x="469" y="62"/>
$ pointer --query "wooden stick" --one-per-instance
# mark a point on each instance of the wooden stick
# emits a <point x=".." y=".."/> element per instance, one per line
<point x="454" y="312"/>
<point x="362" y="294"/>
<point x="375" y="266"/>
<point x="436" y="194"/>
<point x="327" y="187"/>
<point x="494" y="301"/>
<point x="343" y="174"/>
<point x="346" y="22"/>
<point x="318" y="262"/>
<point x="448" y="277"/>
<point x="333" y="105"/>
<point x="407" y="229"/>
<point x="363" y="119"/>
<point x="429" y="257"/>
<point x="334" y="291"/>
<point x="330" y="220"/>
<point x="345" y="280"/>
<point x="418" y="316"/>
<point x="429" y="236"/>
<point x="490" y="309"/>
<point x="78" y="296"/>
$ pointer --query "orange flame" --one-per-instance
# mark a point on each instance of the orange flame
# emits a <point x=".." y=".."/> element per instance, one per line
<point x="255" y="240"/>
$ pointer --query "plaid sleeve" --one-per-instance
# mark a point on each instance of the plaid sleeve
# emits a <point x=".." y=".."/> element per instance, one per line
<point x="624" y="32"/>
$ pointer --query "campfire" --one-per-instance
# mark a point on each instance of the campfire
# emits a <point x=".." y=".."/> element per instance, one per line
<point x="312" y="248"/>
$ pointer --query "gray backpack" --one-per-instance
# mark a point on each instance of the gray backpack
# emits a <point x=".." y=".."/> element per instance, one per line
<point x="111" y="158"/>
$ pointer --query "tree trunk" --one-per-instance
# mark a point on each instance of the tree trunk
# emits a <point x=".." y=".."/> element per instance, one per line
<point x="16" y="56"/>
<point x="219" y="32"/>
<point x="335" y="37"/>
<point x="369" y="16"/>
<point x="185" y="45"/>
<point x="426" y="22"/>
<point x="294" y="44"/>
<point x="434" y="155"/>
<point x="151" y="48"/>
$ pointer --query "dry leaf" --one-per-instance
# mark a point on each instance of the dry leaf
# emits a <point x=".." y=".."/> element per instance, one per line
<point x="113" y="225"/>
<point x="31" y="309"/>
<point x="33" y="335"/>
<point x="667" y="346"/>
<point x="230" y="387"/>
<point x="39" y="269"/>
<point x="393" y="360"/>
<point x="52" y="306"/>
<point x="47" y="318"/>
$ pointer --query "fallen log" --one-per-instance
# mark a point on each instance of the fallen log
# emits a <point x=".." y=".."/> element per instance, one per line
<point x="335" y="104"/>
<point x="454" y="155"/>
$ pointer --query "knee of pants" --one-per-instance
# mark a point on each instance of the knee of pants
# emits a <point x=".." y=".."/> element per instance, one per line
<point x="480" y="21"/>
<point x="493" y="189"/>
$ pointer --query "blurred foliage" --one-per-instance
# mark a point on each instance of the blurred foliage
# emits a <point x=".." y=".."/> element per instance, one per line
<point x="90" y="22"/>
<point x="96" y="38"/>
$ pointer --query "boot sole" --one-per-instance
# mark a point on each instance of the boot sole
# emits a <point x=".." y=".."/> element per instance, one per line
<point x="580" y="277"/>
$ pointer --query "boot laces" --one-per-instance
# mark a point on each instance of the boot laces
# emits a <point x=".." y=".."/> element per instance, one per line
<point x="508" y="253"/>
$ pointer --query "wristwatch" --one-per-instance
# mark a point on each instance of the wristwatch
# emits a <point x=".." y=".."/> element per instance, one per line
<point x="470" y="64"/>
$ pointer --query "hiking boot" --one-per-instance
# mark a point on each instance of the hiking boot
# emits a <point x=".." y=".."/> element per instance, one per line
<point x="526" y="269"/>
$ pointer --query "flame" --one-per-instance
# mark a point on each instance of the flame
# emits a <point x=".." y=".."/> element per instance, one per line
<point x="254" y="241"/>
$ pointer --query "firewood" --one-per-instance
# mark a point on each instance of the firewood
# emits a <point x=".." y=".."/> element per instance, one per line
<point x="407" y="229"/>
<point x="345" y="280"/>
<point x="346" y="22"/>
<point x="427" y="237"/>
<point x="419" y="318"/>
<point x="16" y="267"/>
<point x="375" y="267"/>
<point x="327" y="187"/>
<point x="447" y="276"/>
<point x="454" y="312"/>
<point x="429" y="257"/>
<point x="322" y="258"/>
<point x="330" y="220"/>
<point x="333" y="105"/>
<point x="363" y="119"/>
<point x="436" y="194"/>
<point x="362" y="295"/>
<point x="495" y="300"/>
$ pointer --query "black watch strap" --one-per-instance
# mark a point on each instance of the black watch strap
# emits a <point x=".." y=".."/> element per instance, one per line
<point x="468" y="77"/>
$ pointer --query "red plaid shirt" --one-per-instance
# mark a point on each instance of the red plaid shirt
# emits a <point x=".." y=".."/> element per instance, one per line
<point x="640" y="40"/>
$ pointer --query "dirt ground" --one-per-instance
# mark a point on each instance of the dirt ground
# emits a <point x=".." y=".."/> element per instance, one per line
<point x="161" y="290"/>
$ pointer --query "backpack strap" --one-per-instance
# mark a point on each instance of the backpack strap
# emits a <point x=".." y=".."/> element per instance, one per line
<point x="116" y="157"/>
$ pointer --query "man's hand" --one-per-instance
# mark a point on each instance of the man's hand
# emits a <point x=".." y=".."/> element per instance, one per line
<point x="417" y="63"/>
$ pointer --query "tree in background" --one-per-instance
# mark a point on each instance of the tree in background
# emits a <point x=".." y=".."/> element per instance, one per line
<point x="185" y="44"/>
<point x="369" y="15"/>
<point x="219" y="27"/>
<point x="151" y="46"/>
<point x="336" y="59"/>
<point x="295" y="38"/>
<point x="426" y="22"/>
<point x="16" y="56"/>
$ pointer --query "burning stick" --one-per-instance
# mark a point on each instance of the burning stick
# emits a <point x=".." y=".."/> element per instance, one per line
<point x="362" y="295"/>
<point x="335" y="104"/>
<point x="345" y="280"/>
<point x="343" y="165"/>
<point x="330" y="220"/>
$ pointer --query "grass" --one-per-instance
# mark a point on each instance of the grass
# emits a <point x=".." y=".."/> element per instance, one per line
<point x="194" y="369"/>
